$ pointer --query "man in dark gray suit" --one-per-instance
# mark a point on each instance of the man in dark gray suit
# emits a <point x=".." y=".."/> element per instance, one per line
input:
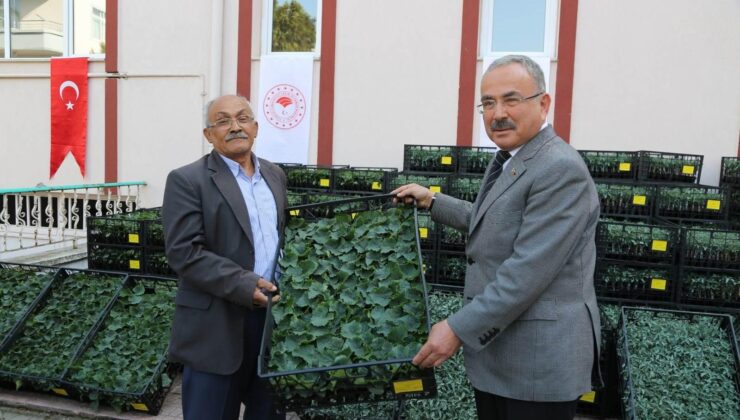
<point x="530" y="327"/>
<point x="223" y="218"/>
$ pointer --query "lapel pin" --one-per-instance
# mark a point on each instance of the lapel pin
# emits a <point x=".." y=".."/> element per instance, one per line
<point x="513" y="172"/>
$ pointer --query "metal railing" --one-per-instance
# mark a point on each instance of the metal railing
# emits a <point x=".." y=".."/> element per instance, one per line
<point x="31" y="217"/>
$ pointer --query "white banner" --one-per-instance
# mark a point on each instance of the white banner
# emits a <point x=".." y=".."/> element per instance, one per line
<point x="543" y="61"/>
<point x="284" y="108"/>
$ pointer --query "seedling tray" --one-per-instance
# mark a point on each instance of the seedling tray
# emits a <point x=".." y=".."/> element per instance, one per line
<point x="465" y="187"/>
<point x="634" y="280"/>
<point x="138" y="228"/>
<point x="626" y="200"/>
<point x="475" y="160"/>
<point x="607" y="164"/>
<point x="678" y="364"/>
<point x="428" y="158"/>
<point x="116" y="258"/>
<point x="428" y="231"/>
<point x="116" y="350"/>
<point x="436" y="182"/>
<point x="363" y="180"/>
<point x="451" y="266"/>
<point x="631" y="241"/>
<point x="713" y="247"/>
<point x="336" y="305"/>
<point x="311" y="177"/>
<point x="686" y="203"/>
<point x="709" y="287"/>
<point x="730" y="172"/>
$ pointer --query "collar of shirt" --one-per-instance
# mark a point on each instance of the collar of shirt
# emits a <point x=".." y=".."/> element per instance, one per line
<point x="235" y="168"/>
<point x="513" y="152"/>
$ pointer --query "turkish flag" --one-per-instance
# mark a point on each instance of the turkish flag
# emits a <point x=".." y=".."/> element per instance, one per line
<point x="68" y="111"/>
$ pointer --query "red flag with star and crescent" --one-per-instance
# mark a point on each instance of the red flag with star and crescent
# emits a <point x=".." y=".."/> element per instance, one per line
<point x="68" y="111"/>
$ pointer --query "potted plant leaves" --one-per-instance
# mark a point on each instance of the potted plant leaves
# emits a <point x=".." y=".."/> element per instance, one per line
<point x="424" y="158"/>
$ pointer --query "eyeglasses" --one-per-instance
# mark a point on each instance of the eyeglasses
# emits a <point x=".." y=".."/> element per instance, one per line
<point x="241" y="121"/>
<point x="508" y="102"/>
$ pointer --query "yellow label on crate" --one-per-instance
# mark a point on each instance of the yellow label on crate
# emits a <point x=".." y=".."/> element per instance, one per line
<point x="589" y="397"/>
<point x="423" y="233"/>
<point x="413" y="385"/>
<point x="446" y="160"/>
<point x="625" y="166"/>
<point x="295" y="212"/>
<point x="354" y="215"/>
<point x="661" y="246"/>
<point x="133" y="238"/>
<point x="639" y="200"/>
<point x="60" y="391"/>
<point x="134" y="264"/>
<point x="658" y="284"/>
<point x="139" y="406"/>
<point x="376" y="186"/>
<point x="713" y="204"/>
<point x="324" y="182"/>
<point x="435" y="188"/>
<point x="688" y="170"/>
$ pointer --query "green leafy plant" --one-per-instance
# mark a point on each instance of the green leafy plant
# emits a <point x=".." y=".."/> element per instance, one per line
<point x="47" y="342"/>
<point x="439" y="183"/>
<point x="361" y="180"/>
<point x="474" y="160"/>
<point x="351" y="294"/>
<point x="309" y="177"/>
<point x="332" y="209"/>
<point x="116" y="258"/>
<point x="712" y="247"/>
<point x="619" y="199"/>
<point x="670" y="167"/>
<point x="629" y="280"/>
<point x="691" y="202"/>
<point x="713" y="287"/>
<point x="677" y="366"/>
<point x="730" y="171"/>
<point x="128" y="228"/>
<point x="295" y="199"/>
<point x="637" y="241"/>
<point x="18" y="289"/>
<point x="128" y="354"/>
<point x="430" y="158"/>
<point x="156" y="263"/>
<point x="465" y="188"/>
<point x="451" y="269"/>
<point x="451" y="238"/>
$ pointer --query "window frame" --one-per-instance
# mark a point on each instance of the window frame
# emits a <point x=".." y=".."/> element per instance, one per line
<point x="486" y="33"/>
<point x="267" y="32"/>
<point x="68" y="20"/>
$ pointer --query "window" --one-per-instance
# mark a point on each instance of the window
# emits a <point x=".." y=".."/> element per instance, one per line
<point x="292" y="26"/>
<point x="518" y="26"/>
<point x="52" y="28"/>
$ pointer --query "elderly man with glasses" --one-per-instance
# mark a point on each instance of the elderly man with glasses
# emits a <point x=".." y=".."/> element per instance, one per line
<point x="530" y="326"/>
<point x="223" y="217"/>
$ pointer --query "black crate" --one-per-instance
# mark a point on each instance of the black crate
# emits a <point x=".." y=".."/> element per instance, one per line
<point x="428" y="231"/>
<point x="670" y="352"/>
<point x="734" y="199"/>
<point x="296" y="198"/>
<point x="607" y="164"/>
<point x="451" y="268"/>
<point x="710" y="246"/>
<point x="632" y="241"/>
<point x="141" y="227"/>
<point x="130" y="259"/>
<point x="474" y="160"/>
<point x="626" y="200"/>
<point x="429" y="265"/>
<point x="423" y="158"/>
<point x="687" y="203"/>
<point x="30" y="356"/>
<point x="311" y="177"/>
<point x="21" y="287"/>
<point x="155" y="263"/>
<point x="343" y="381"/>
<point x="730" y="173"/>
<point x="669" y="167"/>
<point x="709" y="287"/>
<point x="634" y="280"/>
<point x="363" y="180"/>
<point x="320" y="204"/>
<point x="149" y="394"/>
<point x="436" y="182"/>
<point x="465" y="187"/>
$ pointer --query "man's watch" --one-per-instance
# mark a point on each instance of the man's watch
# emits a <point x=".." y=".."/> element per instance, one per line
<point x="434" y="198"/>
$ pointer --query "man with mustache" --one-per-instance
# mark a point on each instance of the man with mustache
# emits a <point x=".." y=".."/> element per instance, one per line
<point x="530" y="326"/>
<point x="223" y="218"/>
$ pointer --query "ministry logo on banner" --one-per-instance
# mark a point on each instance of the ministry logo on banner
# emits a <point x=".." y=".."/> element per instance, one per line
<point x="285" y="112"/>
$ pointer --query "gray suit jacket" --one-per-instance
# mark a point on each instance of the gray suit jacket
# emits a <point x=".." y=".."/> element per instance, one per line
<point x="209" y="245"/>
<point x="530" y="321"/>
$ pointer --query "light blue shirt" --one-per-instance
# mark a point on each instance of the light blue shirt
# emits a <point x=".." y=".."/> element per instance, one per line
<point x="262" y="215"/>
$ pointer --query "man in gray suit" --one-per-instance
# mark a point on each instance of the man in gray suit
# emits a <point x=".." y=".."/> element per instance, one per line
<point x="223" y="218"/>
<point x="530" y="327"/>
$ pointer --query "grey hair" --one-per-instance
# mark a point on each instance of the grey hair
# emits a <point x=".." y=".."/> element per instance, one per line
<point x="209" y="104"/>
<point x="529" y="65"/>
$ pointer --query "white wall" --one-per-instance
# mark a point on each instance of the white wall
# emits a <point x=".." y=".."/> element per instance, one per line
<point x="658" y="75"/>
<point x="396" y="75"/>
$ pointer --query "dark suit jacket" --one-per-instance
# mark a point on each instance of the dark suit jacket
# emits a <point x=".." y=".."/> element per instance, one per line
<point x="530" y="322"/>
<point x="209" y="245"/>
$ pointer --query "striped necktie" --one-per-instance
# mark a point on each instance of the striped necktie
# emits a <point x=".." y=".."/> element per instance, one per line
<point x="496" y="168"/>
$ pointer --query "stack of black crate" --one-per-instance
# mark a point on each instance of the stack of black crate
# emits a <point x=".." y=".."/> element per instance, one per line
<point x="456" y="171"/>
<point x="130" y="242"/>
<point x="310" y="184"/>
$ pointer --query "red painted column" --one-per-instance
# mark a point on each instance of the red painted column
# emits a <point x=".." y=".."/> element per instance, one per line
<point x="244" y="49"/>
<point x="468" y="63"/>
<point x="326" y="82"/>
<point x="111" y="91"/>
<point x="566" y="63"/>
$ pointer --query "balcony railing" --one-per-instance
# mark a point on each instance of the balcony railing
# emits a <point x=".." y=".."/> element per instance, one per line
<point x="32" y="217"/>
